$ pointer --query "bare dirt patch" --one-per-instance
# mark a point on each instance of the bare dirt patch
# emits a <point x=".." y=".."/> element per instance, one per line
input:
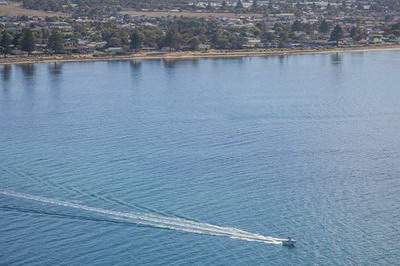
<point x="184" y="14"/>
<point x="15" y="9"/>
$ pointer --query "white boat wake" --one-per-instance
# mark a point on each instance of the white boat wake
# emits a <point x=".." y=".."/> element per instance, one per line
<point x="155" y="220"/>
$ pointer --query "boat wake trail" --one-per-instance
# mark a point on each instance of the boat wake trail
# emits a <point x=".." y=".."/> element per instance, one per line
<point x="154" y="220"/>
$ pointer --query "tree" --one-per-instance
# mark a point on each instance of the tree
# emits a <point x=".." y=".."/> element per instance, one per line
<point x="114" y="41"/>
<point x="238" y="40"/>
<point x="28" y="41"/>
<point x="336" y="34"/>
<point x="136" y="41"/>
<point x="194" y="43"/>
<point x="209" y="6"/>
<point x="344" y="6"/>
<point x="267" y="37"/>
<point x="239" y="5"/>
<point x="283" y="38"/>
<point x="5" y="42"/>
<point x="56" y="42"/>
<point x="152" y="37"/>
<point x="223" y="5"/>
<point x="298" y="6"/>
<point x="17" y="39"/>
<point x="172" y="39"/>
<point x="297" y="26"/>
<point x="356" y="34"/>
<point x="254" y="5"/>
<point x="323" y="27"/>
<point x="313" y="6"/>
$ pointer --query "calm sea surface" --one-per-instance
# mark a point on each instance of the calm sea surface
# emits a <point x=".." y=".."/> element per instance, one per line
<point x="303" y="146"/>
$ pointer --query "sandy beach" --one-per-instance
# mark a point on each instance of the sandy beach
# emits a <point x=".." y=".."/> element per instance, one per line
<point x="188" y="55"/>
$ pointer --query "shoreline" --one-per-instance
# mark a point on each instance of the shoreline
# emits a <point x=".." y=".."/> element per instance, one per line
<point x="190" y="55"/>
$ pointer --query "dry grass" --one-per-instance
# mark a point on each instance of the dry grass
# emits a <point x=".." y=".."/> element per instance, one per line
<point x="183" y="14"/>
<point x="15" y="9"/>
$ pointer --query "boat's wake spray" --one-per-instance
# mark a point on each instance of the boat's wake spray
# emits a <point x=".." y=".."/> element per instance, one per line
<point x="156" y="220"/>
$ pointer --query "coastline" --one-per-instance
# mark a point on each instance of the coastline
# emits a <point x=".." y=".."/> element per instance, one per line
<point x="190" y="55"/>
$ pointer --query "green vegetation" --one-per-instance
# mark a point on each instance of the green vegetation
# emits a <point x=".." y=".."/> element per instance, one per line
<point x="131" y="34"/>
<point x="337" y="34"/>
<point x="5" y="43"/>
<point x="323" y="27"/>
<point x="27" y="41"/>
<point x="56" y="42"/>
<point x="136" y="41"/>
<point x="239" y="5"/>
<point x="357" y="33"/>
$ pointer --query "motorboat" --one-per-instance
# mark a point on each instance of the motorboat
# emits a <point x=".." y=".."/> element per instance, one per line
<point x="289" y="242"/>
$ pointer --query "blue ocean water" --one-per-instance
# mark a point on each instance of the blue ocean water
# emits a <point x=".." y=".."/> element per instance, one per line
<point x="304" y="146"/>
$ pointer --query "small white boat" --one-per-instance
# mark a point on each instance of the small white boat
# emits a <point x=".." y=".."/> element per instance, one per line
<point x="289" y="242"/>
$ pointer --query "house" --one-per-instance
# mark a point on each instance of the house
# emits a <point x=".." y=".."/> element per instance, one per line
<point x="204" y="47"/>
<point x="253" y="43"/>
<point x="376" y="39"/>
<point x="115" y="50"/>
<point x="61" y="26"/>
